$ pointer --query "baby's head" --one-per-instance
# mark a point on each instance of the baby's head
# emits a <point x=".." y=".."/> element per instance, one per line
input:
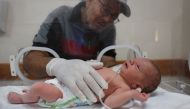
<point x="141" y="72"/>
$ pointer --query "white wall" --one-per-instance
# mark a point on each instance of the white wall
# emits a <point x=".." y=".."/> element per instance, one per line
<point x="158" y="26"/>
<point x="155" y="25"/>
<point x="24" y="19"/>
<point x="3" y="15"/>
<point x="186" y="29"/>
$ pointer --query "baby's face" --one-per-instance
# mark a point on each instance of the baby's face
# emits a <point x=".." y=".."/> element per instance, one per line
<point x="135" y="72"/>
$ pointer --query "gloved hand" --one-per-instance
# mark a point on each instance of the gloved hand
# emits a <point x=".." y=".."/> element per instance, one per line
<point x="95" y="64"/>
<point x="78" y="75"/>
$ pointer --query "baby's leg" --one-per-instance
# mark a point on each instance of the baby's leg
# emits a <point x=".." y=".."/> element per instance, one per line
<point x="39" y="90"/>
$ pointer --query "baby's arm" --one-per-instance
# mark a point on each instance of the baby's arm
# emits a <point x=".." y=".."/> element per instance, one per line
<point x="121" y="96"/>
<point x="39" y="90"/>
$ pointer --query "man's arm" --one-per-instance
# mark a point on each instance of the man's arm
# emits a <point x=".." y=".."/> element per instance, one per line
<point x="122" y="96"/>
<point x="35" y="62"/>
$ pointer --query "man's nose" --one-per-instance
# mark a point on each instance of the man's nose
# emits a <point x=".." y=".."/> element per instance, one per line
<point x="108" y="19"/>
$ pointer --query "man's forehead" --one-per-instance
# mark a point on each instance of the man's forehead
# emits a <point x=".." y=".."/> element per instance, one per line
<point x="111" y="3"/>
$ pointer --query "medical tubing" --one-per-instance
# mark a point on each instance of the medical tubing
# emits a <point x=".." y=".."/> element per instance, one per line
<point x="130" y="103"/>
<point x="99" y="95"/>
<point x="104" y="105"/>
<point x="25" y="50"/>
<point x="118" y="46"/>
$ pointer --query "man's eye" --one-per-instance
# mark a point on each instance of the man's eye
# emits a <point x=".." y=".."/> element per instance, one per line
<point x="114" y="16"/>
<point x="105" y="11"/>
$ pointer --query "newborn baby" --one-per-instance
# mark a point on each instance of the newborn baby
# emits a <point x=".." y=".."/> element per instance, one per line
<point x="132" y="74"/>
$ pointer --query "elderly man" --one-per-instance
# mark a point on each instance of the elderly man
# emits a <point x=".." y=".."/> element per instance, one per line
<point x="77" y="33"/>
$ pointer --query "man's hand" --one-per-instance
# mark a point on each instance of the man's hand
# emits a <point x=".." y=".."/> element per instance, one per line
<point x="79" y="76"/>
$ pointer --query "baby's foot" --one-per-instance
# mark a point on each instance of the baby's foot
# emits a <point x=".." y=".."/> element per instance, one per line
<point x="14" y="98"/>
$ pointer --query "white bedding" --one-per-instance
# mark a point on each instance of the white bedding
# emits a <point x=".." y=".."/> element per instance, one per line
<point x="160" y="99"/>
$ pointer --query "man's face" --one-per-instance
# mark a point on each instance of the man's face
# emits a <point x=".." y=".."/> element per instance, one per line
<point x="135" y="72"/>
<point x="101" y="13"/>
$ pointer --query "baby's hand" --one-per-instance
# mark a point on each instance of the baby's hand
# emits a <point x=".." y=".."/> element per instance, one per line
<point x="140" y="96"/>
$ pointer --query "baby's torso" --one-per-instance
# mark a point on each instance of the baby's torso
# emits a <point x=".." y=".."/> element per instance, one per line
<point x="115" y="81"/>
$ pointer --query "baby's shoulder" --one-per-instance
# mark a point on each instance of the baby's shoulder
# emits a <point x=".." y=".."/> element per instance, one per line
<point x="121" y="84"/>
<point x="123" y="89"/>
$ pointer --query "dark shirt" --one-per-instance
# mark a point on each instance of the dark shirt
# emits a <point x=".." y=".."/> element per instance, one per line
<point x="64" y="32"/>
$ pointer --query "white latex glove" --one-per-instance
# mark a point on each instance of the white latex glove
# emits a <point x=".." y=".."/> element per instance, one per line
<point x="79" y="76"/>
<point x="95" y="64"/>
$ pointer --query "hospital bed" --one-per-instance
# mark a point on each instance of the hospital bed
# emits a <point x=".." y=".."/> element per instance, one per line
<point x="160" y="99"/>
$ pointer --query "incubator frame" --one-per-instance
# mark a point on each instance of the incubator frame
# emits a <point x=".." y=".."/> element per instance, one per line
<point x="15" y="60"/>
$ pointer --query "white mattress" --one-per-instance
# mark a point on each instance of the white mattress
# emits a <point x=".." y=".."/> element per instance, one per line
<point x="160" y="99"/>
